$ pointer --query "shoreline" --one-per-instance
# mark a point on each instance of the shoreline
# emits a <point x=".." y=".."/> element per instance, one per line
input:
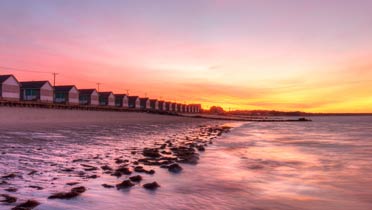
<point x="30" y="118"/>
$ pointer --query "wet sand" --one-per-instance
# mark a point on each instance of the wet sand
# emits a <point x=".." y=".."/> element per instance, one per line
<point x="26" y="118"/>
<point x="62" y="159"/>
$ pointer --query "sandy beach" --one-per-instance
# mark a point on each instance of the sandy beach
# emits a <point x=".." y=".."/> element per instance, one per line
<point x="62" y="159"/>
<point x="26" y="118"/>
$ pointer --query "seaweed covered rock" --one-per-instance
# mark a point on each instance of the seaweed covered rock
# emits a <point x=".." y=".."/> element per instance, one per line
<point x="30" y="204"/>
<point x="153" y="153"/>
<point x="137" y="178"/>
<point x="108" y="186"/>
<point x="174" y="168"/>
<point x="8" y="199"/>
<point x="76" y="191"/>
<point x="125" y="184"/>
<point x="151" y="186"/>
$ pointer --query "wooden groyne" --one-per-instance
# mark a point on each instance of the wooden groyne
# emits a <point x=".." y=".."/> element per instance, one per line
<point x="302" y="119"/>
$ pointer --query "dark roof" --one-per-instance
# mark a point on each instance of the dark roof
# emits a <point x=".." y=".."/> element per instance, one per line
<point x="153" y="102"/>
<point x="105" y="94"/>
<point x="86" y="91"/>
<point x="64" y="87"/>
<point x="143" y="102"/>
<point x="120" y="95"/>
<point x="3" y="78"/>
<point x="132" y="99"/>
<point x="34" y="84"/>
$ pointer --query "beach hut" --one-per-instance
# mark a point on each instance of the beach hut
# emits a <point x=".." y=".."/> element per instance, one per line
<point x="161" y="105"/>
<point x="134" y="102"/>
<point x="145" y="103"/>
<point x="167" y="106"/>
<point x="154" y="104"/>
<point x="198" y="108"/>
<point x="183" y="108"/>
<point x="188" y="108"/>
<point x="121" y="100"/>
<point x="41" y="91"/>
<point x="106" y="99"/>
<point x="66" y="94"/>
<point x="9" y="88"/>
<point x="88" y="97"/>
<point x="179" y="107"/>
<point x="174" y="107"/>
<point x="195" y="108"/>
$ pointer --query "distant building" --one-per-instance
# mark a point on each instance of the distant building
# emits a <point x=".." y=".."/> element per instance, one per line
<point x="41" y="91"/>
<point x="188" y="108"/>
<point x="66" y="94"/>
<point x="183" y="107"/>
<point x="145" y="103"/>
<point x="9" y="88"/>
<point x="88" y="97"/>
<point x="154" y="104"/>
<point x="174" y="107"/>
<point x="106" y="99"/>
<point x="161" y="105"/>
<point x="134" y="102"/>
<point x="121" y="100"/>
<point x="167" y="106"/>
<point x="198" y="108"/>
<point x="179" y="107"/>
<point x="194" y="108"/>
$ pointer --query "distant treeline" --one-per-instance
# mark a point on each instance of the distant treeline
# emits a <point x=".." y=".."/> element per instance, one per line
<point x="219" y="110"/>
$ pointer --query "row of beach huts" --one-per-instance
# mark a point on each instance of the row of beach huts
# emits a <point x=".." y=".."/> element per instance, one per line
<point x="44" y="92"/>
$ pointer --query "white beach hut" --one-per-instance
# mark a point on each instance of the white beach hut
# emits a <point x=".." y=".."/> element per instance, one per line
<point x="9" y="88"/>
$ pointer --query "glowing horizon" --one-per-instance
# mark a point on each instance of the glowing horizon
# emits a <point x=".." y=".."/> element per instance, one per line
<point x="313" y="56"/>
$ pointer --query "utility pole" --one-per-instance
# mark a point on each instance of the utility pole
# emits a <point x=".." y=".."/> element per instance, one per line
<point x="145" y="95"/>
<point x="54" y="78"/>
<point x="127" y="91"/>
<point x="98" y="84"/>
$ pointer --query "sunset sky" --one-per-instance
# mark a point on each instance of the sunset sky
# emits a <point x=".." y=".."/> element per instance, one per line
<point x="308" y="55"/>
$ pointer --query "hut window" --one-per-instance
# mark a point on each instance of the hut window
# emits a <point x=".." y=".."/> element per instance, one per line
<point x="60" y="97"/>
<point x="31" y="94"/>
